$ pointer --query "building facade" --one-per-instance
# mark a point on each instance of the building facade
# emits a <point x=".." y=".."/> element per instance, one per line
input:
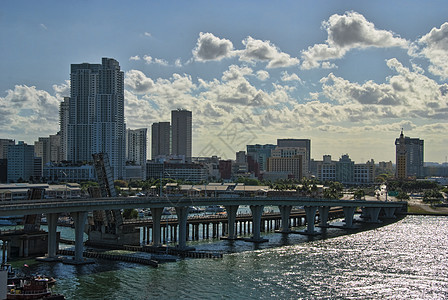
<point x="136" y="141"/>
<point x="63" y="125"/>
<point x="160" y="139"/>
<point x="181" y="133"/>
<point x="96" y="114"/>
<point x="20" y="162"/>
<point x="299" y="143"/>
<point x="409" y="157"/>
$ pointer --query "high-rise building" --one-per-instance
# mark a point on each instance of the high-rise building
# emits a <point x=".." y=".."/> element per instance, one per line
<point x="4" y="143"/>
<point x="20" y="162"/>
<point x="181" y="133"/>
<point x="63" y="124"/>
<point x="96" y="114"/>
<point x="160" y="139"/>
<point x="136" y="140"/>
<point x="345" y="169"/>
<point x="409" y="157"/>
<point x="299" y="143"/>
<point x="257" y="156"/>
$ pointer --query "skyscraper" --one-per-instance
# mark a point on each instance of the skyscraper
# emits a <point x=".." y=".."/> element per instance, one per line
<point x="181" y="133"/>
<point x="160" y="139"/>
<point x="64" y="110"/>
<point x="409" y="157"/>
<point x="96" y="114"/>
<point x="136" y="140"/>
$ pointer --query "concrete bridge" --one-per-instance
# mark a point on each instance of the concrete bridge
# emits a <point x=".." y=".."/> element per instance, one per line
<point x="78" y="209"/>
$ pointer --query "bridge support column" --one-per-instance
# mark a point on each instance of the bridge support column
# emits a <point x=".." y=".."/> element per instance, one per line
<point x="257" y="211"/>
<point x="156" y="214"/>
<point x="310" y="212"/>
<point x="231" y="218"/>
<point x="373" y="213"/>
<point x="349" y="212"/>
<point x="182" y="214"/>
<point x="323" y="215"/>
<point x="285" y="212"/>
<point x="389" y="212"/>
<point x="79" y="219"/>
<point x="52" y="220"/>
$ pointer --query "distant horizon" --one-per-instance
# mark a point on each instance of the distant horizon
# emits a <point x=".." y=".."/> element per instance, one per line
<point x="346" y="75"/>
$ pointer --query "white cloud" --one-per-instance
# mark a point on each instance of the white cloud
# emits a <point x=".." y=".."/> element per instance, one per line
<point x="147" y="59"/>
<point x="43" y="27"/>
<point x="160" y="61"/>
<point x="435" y="48"/>
<point x="409" y="93"/>
<point x="210" y="47"/>
<point x="136" y="57"/>
<point x="290" y="77"/>
<point x="27" y="111"/>
<point x="257" y="50"/>
<point x="147" y="34"/>
<point x="178" y="63"/>
<point x="138" y="82"/>
<point x="346" y="32"/>
<point x="262" y="75"/>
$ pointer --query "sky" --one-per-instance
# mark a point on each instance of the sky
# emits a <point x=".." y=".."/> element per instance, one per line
<point x="349" y="75"/>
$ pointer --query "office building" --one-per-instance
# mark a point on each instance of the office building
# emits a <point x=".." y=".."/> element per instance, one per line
<point x="160" y="139"/>
<point x="96" y="114"/>
<point x="181" y="135"/>
<point x="299" y="143"/>
<point x="4" y="143"/>
<point x="409" y="157"/>
<point x="136" y="140"/>
<point x="257" y="156"/>
<point x="294" y="153"/>
<point x="63" y="124"/>
<point x="20" y="162"/>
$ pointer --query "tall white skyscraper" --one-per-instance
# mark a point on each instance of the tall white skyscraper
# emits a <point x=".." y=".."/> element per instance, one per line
<point x="181" y="133"/>
<point x="136" y="140"/>
<point x="96" y="114"/>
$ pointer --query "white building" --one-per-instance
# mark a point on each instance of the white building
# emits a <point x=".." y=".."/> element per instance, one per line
<point x="96" y="114"/>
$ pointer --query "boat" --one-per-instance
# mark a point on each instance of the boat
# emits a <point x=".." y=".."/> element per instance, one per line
<point x="31" y="287"/>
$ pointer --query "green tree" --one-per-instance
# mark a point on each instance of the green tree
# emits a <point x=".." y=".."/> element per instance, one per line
<point x="130" y="214"/>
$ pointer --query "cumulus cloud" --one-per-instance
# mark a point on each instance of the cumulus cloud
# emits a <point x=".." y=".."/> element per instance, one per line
<point x="28" y="111"/>
<point x="258" y="50"/>
<point x="136" y="57"/>
<point x="138" y="82"/>
<point x="210" y="47"/>
<point x="408" y="93"/>
<point x="435" y="49"/>
<point x="290" y="77"/>
<point x="262" y="75"/>
<point x="346" y="32"/>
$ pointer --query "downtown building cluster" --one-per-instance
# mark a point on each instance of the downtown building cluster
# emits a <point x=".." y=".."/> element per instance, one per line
<point x="92" y="121"/>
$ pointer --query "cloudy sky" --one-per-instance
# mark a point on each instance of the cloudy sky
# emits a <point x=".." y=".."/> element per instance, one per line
<point x="346" y="74"/>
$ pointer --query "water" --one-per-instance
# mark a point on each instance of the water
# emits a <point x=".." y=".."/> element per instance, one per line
<point x="404" y="260"/>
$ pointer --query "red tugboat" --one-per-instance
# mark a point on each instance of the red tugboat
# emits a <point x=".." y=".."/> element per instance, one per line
<point x="32" y="288"/>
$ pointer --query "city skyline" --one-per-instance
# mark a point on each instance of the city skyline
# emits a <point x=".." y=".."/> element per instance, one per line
<point x="346" y="75"/>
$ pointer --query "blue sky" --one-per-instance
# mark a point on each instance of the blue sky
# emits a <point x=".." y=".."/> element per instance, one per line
<point x="346" y="74"/>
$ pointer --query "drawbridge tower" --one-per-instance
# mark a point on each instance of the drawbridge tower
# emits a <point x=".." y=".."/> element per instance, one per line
<point x="106" y="226"/>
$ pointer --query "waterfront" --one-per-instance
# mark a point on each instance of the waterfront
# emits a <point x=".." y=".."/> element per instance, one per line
<point x="403" y="260"/>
